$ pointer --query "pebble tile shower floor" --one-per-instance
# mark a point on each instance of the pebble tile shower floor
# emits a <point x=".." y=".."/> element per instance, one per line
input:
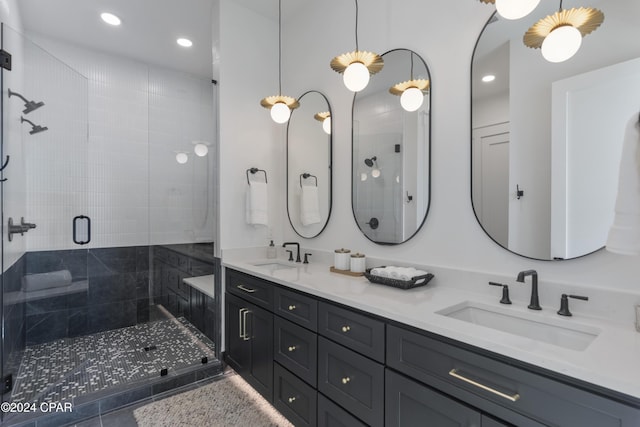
<point x="65" y="369"/>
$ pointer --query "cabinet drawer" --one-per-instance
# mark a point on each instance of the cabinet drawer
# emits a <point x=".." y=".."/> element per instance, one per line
<point x="293" y="398"/>
<point x="250" y="288"/>
<point x="353" y="330"/>
<point x="508" y="392"/>
<point x="298" y="308"/>
<point x="331" y="415"/>
<point x="161" y="253"/>
<point x="296" y="348"/>
<point x="353" y="380"/>
<point x="409" y="403"/>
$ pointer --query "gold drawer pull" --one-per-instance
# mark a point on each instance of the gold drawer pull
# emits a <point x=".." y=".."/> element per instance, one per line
<point x="292" y="307"/>
<point x="346" y="328"/>
<point x="292" y="399"/>
<point x="244" y="288"/>
<point x="292" y="348"/>
<point x="346" y="380"/>
<point x="512" y="397"/>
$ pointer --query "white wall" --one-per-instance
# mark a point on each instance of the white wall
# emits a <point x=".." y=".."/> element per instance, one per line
<point x="248" y="58"/>
<point x="451" y="236"/>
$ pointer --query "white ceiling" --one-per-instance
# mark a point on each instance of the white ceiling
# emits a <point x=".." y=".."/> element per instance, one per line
<point x="149" y="27"/>
<point x="148" y="32"/>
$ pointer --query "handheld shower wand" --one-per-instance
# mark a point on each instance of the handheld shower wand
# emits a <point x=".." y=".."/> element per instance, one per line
<point x="34" y="127"/>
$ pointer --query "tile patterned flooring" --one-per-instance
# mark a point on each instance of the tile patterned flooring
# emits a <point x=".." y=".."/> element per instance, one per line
<point x="65" y="369"/>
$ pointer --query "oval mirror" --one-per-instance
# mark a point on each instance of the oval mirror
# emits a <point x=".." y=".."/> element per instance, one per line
<point x="390" y="180"/>
<point x="309" y="147"/>
<point x="547" y="137"/>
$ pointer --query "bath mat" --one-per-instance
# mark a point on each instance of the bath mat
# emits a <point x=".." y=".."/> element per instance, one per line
<point x="227" y="402"/>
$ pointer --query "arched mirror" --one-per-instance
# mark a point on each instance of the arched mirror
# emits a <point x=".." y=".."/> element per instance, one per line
<point x="390" y="180"/>
<point x="547" y="137"/>
<point x="309" y="147"/>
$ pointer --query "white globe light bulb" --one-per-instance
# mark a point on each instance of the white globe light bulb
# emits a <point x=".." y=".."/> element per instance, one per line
<point x="515" y="9"/>
<point x="182" y="158"/>
<point x="326" y="125"/>
<point x="201" y="149"/>
<point x="411" y="99"/>
<point x="356" y="77"/>
<point x="561" y="44"/>
<point x="280" y="113"/>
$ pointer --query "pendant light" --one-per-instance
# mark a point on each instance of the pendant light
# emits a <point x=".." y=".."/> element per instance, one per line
<point x="357" y="67"/>
<point x="280" y="105"/>
<point x="325" y="118"/>
<point x="513" y="9"/>
<point x="559" y="36"/>
<point x="411" y="92"/>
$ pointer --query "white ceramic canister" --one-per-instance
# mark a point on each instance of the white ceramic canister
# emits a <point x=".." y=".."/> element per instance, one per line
<point x="341" y="259"/>
<point x="358" y="263"/>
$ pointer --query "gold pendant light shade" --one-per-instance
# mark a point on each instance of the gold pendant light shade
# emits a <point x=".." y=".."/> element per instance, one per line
<point x="270" y="101"/>
<point x="322" y="116"/>
<point x="584" y="19"/>
<point x="399" y="88"/>
<point x="372" y="61"/>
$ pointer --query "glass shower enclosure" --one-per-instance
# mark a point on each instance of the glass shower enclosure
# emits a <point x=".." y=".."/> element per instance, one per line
<point x="95" y="301"/>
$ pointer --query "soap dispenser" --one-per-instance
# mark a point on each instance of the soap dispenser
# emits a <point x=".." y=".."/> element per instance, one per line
<point x="271" y="251"/>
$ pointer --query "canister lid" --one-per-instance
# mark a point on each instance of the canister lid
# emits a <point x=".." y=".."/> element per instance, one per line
<point x="343" y="251"/>
<point x="357" y="255"/>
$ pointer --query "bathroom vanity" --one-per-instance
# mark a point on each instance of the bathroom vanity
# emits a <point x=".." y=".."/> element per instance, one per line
<point x="339" y="351"/>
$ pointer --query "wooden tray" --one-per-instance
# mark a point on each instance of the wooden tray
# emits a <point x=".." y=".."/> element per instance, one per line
<point x="345" y="272"/>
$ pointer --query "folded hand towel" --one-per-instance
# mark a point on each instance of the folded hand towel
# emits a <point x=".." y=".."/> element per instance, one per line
<point x="624" y="235"/>
<point x="256" y="206"/>
<point x="380" y="271"/>
<point x="309" y="205"/>
<point x="52" y="279"/>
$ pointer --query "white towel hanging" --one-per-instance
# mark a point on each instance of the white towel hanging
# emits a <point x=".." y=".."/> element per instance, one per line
<point x="256" y="204"/>
<point x="309" y="205"/>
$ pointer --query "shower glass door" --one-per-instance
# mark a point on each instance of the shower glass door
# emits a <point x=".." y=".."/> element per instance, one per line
<point x="44" y="256"/>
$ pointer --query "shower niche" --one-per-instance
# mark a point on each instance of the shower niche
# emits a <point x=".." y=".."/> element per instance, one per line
<point x="115" y="286"/>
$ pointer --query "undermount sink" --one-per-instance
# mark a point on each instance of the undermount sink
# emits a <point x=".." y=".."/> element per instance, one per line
<point x="274" y="265"/>
<point x="571" y="335"/>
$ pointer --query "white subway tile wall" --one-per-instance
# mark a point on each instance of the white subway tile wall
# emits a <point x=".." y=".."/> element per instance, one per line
<point x="110" y="151"/>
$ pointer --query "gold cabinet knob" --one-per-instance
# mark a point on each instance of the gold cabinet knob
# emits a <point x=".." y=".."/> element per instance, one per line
<point x="292" y="307"/>
<point x="291" y="399"/>
<point x="346" y="380"/>
<point x="346" y="328"/>
<point x="292" y="348"/>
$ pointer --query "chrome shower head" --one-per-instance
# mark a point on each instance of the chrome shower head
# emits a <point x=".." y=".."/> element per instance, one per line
<point x="34" y="127"/>
<point x="29" y="105"/>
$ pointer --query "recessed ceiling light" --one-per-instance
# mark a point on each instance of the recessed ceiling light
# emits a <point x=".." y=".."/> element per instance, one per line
<point x="110" y="18"/>
<point x="488" y="78"/>
<point x="184" y="42"/>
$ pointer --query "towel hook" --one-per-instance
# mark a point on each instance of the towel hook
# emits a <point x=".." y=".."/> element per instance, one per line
<point x="254" y="171"/>
<point x="308" y="175"/>
<point x="519" y="192"/>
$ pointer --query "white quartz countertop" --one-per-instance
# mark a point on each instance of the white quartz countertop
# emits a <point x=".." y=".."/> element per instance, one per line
<point x="611" y="361"/>
<point x="204" y="284"/>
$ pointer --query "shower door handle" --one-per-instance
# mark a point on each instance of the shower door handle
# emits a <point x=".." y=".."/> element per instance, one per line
<point x="75" y="230"/>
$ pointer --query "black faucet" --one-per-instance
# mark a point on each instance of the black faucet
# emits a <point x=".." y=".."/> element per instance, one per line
<point x="564" y="304"/>
<point x="284" y="245"/>
<point x="534" y="304"/>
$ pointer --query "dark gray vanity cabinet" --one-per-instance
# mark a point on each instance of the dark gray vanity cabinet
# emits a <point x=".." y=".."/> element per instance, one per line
<point x="250" y="343"/>
<point x="500" y="388"/>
